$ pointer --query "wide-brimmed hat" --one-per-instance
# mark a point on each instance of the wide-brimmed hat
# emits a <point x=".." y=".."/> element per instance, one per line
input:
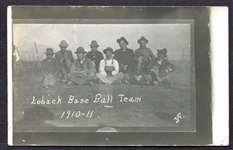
<point x="138" y="53"/>
<point x="63" y="43"/>
<point x="163" y="52"/>
<point x="108" y="49"/>
<point x="49" y="51"/>
<point x="80" y="50"/>
<point x="94" y="43"/>
<point x="122" y="39"/>
<point x="143" y="39"/>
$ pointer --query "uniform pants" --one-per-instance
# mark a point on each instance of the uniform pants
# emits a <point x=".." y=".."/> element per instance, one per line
<point x="135" y="79"/>
<point x="49" y="81"/>
<point x="81" y="78"/>
<point x="65" y="69"/>
<point x="110" y="79"/>
<point x="157" y="77"/>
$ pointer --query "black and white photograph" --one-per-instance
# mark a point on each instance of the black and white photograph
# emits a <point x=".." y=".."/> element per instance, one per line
<point x="107" y="75"/>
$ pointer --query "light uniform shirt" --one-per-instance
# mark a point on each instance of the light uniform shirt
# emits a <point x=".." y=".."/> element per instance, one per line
<point x="106" y="62"/>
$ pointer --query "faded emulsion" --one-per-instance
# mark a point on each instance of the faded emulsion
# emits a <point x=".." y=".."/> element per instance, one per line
<point x="145" y="81"/>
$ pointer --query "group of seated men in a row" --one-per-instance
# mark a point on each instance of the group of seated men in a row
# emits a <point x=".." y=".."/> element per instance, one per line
<point x="122" y="66"/>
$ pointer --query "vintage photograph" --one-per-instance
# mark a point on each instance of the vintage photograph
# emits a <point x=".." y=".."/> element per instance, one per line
<point x="103" y="76"/>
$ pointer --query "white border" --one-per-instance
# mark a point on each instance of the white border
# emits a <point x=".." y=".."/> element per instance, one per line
<point x="9" y="76"/>
<point x="219" y="66"/>
<point x="220" y="74"/>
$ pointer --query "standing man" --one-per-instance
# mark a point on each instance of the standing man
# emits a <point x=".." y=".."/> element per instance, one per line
<point x="65" y="59"/>
<point x="82" y="70"/>
<point x="95" y="55"/>
<point x="136" y="73"/>
<point x="50" y="69"/>
<point x="124" y="55"/>
<point x="148" y="54"/>
<point x="109" y="69"/>
<point x="161" y="68"/>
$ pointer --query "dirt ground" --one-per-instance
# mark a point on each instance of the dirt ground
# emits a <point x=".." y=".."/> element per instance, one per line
<point x="153" y="107"/>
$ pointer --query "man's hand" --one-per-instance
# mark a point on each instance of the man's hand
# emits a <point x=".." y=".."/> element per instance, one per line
<point x="124" y="67"/>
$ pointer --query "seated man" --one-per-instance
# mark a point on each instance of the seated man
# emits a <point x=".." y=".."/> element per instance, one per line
<point x="109" y="69"/>
<point x="136" y="72"/>
<point x="50" y="69"/>
<point x="82" y="69"/>
<point x="65" y="59"/>
<point x="124" y="55"/>
<point x="148" y="54"/>
<point x="95" y="55"/>
<point x="161" y="68"/>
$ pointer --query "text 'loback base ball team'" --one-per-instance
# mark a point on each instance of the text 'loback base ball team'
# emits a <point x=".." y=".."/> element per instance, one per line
<point x="122" y="66"/>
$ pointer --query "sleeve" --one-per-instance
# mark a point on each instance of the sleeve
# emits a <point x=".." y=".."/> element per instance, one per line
<point x="150" y="65"/>
<point x="88" y="55"/>
<point x="71" y="57"/>
<point x="90" y="66"/>
<point x="170" y="65"/>
<point x="116" y="55"/>
<point x="43" y="69"/>
<point x="129" y="69"/>
<point x="116" y="66"/>
<point x="56" y="57"/>
<point x="131" y="59"/>
<point x="152" y="56"/>
<point x="101" y="56"/>
<point x="73" y="69"/>
<point x="57" y="66"/>
<point x="101" y="68"/>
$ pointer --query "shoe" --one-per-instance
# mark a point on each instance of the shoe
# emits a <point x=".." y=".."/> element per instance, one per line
<point x="156" y="83"/>
<point x="91" y="83"/>
<point x="168" y="84"/>
<point x="64" y="80"/>
<point x="70" y="83"/>
<point x="100" y="82"/>
<point x="127" y="82"/>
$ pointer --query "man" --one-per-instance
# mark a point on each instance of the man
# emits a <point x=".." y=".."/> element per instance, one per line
<point x="148" y="54"/>
<point x="109" y="69"/>
<point x="65" y="59"/>
<point x="161" y="68"/>
<point x="95" y="55"/>
<point x="124" y="55"/>
<point x="136" y="73"/>
<point x="82" y="69"/>
<point x="50" y="69"/>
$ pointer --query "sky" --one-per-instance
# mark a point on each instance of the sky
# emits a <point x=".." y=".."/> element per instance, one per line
<point x="174" y="37"/>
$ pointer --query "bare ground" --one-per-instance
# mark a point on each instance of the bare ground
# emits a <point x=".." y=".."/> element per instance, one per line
<point x="157" y="108"/>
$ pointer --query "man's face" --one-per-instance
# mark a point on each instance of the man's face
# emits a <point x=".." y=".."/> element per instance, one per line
<point x="80" y="56"/>
<point x="49" y="56"/>
<point x="63" y="48"/>
<point x="94" y="48"/>
<point x="143" y="43"/>
<point x="109" y="54"/>
<point x="122" y="44"/>
<point x="160" y="56"/>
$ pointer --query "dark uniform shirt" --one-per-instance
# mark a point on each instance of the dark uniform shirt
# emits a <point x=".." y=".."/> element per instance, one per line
<point x="96" y="57"/>
<point x="50" y="67"/>
<point x="162" y="65"/>
<point x="124" y="57"/>
<point x="135" y="69"/>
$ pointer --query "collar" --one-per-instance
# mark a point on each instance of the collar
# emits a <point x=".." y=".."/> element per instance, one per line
<point x="124" y="49"/>
<point x="143" y="47"/>
<point x="82" y="61"/>
<point x="49" y="59"/>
